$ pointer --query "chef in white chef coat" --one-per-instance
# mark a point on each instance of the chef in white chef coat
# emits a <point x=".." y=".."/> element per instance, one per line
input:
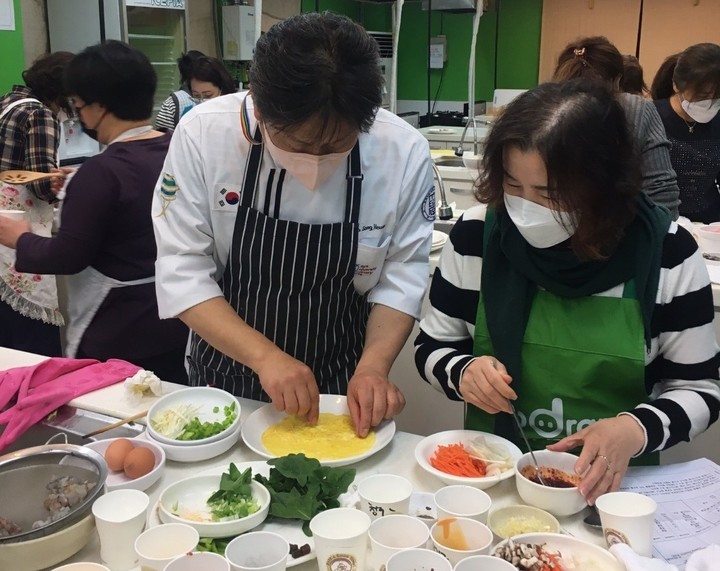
<point x="294" y="225"/>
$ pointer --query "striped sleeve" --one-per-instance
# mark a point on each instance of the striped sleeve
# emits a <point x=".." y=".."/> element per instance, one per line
<point x="682" y="377"/>
<point x="165" y="119"/>
<point x="443" y="349"/>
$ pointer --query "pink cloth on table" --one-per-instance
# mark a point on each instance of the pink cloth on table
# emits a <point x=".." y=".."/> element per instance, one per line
<point x="42" y="388"/>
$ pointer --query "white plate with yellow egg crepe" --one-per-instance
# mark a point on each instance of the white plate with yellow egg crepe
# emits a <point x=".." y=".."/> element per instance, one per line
<point x="332" y="441"/>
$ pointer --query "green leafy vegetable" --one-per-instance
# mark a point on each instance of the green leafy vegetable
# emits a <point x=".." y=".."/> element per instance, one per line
<point x="301" y="487"/>
<point x="234" y="498"/>
<point x="196" y="430"/>
<point x="214" y="544"/>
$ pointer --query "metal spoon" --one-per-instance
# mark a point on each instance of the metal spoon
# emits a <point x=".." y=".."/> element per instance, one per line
<point x="593" y="518"/>
<point x="527" y="444"/>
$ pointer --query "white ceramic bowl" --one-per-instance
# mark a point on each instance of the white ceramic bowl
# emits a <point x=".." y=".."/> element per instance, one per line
<point x="472" y="161"/>
<point x="508" y="521"/>
<point x="199" y="452"/>
<point x="708" y="238"/>
<point x="192" y="493"/>
<point x="426" y="448"/>
<point x="44" y="552"/>
<point x="587" y="555"/>
<point x="118" y="480"/>
<point x="266" y="416"/>
<point x="558" y="501"/>
<point x="207" y="399"/>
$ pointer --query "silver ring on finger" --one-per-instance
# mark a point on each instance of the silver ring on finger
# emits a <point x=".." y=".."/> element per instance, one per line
<point x="608" y="467"/>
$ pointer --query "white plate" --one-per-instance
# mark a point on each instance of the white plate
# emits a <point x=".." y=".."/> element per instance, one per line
<point x="263" y="418"/>
<point x="206" y="399"/>
<point x="192" y="494"/>
<point x="438" y="240"/>
<point x="426" y="447"/>
<point x="199" y="452"/>
<point x="589" y="557"/>
<point x="291" y="530"/>
<point x="118" y="480"/>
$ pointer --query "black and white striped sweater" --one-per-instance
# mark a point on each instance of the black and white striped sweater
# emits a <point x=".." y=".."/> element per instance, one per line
<point x="681" y="367"/>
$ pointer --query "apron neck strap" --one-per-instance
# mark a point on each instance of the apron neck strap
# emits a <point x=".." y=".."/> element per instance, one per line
<point x="354" y="185"/>
<point x="252" y="170"/>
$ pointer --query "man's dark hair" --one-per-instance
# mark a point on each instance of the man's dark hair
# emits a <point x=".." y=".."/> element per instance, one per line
<point x="45" y="78"/>
<point x="696" y="68"/>
<point x="115" y="75"/>
<point x="579" y="130"/>
<point x="317" y="66"/>
<point x="212" y="69"/>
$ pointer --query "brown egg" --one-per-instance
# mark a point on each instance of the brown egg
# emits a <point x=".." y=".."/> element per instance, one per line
<point x="115" y="453"/>
<point x="138" y="462"/>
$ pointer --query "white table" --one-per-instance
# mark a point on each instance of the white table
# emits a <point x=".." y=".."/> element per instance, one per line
<point x="397" y="458"/>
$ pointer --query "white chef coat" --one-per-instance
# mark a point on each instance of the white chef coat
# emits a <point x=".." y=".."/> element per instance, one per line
<point x="206" y="162"/>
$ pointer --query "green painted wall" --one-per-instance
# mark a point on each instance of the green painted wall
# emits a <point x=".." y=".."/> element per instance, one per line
<point x="518" y="43"/>
<point x="13" y="53"/>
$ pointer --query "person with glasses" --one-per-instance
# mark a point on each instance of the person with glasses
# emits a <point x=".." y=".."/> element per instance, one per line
<point x="105" y="244"/>
<point x="210" y="79"/>
<point x="686" y="92"/>
<point x="29" y="139"/>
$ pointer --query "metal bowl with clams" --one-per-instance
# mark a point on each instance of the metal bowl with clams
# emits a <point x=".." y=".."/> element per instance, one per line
<point x="46" y="489"/>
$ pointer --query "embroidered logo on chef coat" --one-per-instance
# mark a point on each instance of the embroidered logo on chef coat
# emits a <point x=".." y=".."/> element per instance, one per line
<point x="168" y="192"/>
<point x="227" y="197"/>
<point x="428" y="205"/>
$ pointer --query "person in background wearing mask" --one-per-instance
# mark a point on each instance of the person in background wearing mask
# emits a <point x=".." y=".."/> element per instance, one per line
<point x="105" y="244"/>
<point x="179" y="102"/>
<point x="572" y="297"/>
<point x="210" y="79"/>
<point x="29" y="139"/>
<point x="294" y="225"/>
<point x="686" y="90"/>
<point x="597" y="59"/>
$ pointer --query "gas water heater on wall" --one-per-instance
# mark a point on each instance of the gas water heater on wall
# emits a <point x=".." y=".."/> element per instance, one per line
<point x="238" y="32"/>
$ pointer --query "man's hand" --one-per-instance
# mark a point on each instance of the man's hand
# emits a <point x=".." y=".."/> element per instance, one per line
<point x="607" y="446"/>
<point x="11" y="230"/>
<point x="372" y="398"/>
<point x="290" y="384"/>
<point x="57" y="183"/>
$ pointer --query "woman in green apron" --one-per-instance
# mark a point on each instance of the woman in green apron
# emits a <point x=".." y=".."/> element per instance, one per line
<point x="571" y="296"/>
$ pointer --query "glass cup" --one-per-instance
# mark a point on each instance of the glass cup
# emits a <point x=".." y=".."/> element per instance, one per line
<point x="341" y="536"/>
<point x="628" y="517"/>
<point x="120" y="518"/>
<point x="384" y="494"/>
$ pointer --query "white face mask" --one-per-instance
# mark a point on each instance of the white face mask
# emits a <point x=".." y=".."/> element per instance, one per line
<point x="311" y="170"/>
<point x="540" y="226"/>
<point x="701" y="111"/>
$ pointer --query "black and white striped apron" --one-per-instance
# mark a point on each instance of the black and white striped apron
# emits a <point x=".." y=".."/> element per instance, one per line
<point x="293" y="283"/>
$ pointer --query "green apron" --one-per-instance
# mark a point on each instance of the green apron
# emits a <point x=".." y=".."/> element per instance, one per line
<point x="582" y="360"/>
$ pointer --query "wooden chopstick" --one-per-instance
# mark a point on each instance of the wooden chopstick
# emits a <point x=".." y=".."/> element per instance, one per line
<point x="116" y="424"/>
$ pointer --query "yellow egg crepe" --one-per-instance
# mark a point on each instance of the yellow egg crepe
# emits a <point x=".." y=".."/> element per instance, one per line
<point x="332" y="438"/>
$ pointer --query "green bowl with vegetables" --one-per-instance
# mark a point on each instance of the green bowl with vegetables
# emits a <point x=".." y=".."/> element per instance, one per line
<point x="216" y="505"/>
<point x="198" y="415"/>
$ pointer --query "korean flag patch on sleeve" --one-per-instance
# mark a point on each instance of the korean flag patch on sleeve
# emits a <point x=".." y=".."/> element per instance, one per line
<point x="227" y="197"/>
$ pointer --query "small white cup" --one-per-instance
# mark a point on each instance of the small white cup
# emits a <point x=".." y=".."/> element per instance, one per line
<point x="459" y="537"/>
<point x="199" y="561"/>
<point x="120" y="518"/>
<point x="391" y="534"/>
<point x="629" y="518"/>
<point x="418" y="560"/>
<point x="14" y="214"/>
<point x="158" y="546"/>
<point x="484" y="563"/>
<point x="258" y="551"/>
<point x="82" y="566"/>
<point x="341" y="536"/>
<point x="462" y="501"/>
<point x="384" y="494"/>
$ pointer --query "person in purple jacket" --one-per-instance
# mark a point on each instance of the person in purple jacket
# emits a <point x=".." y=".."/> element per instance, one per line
<point x="105" y="244"/>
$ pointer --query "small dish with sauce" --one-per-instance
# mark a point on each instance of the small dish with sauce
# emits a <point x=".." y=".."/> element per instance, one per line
<point x="561" y="496"/>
